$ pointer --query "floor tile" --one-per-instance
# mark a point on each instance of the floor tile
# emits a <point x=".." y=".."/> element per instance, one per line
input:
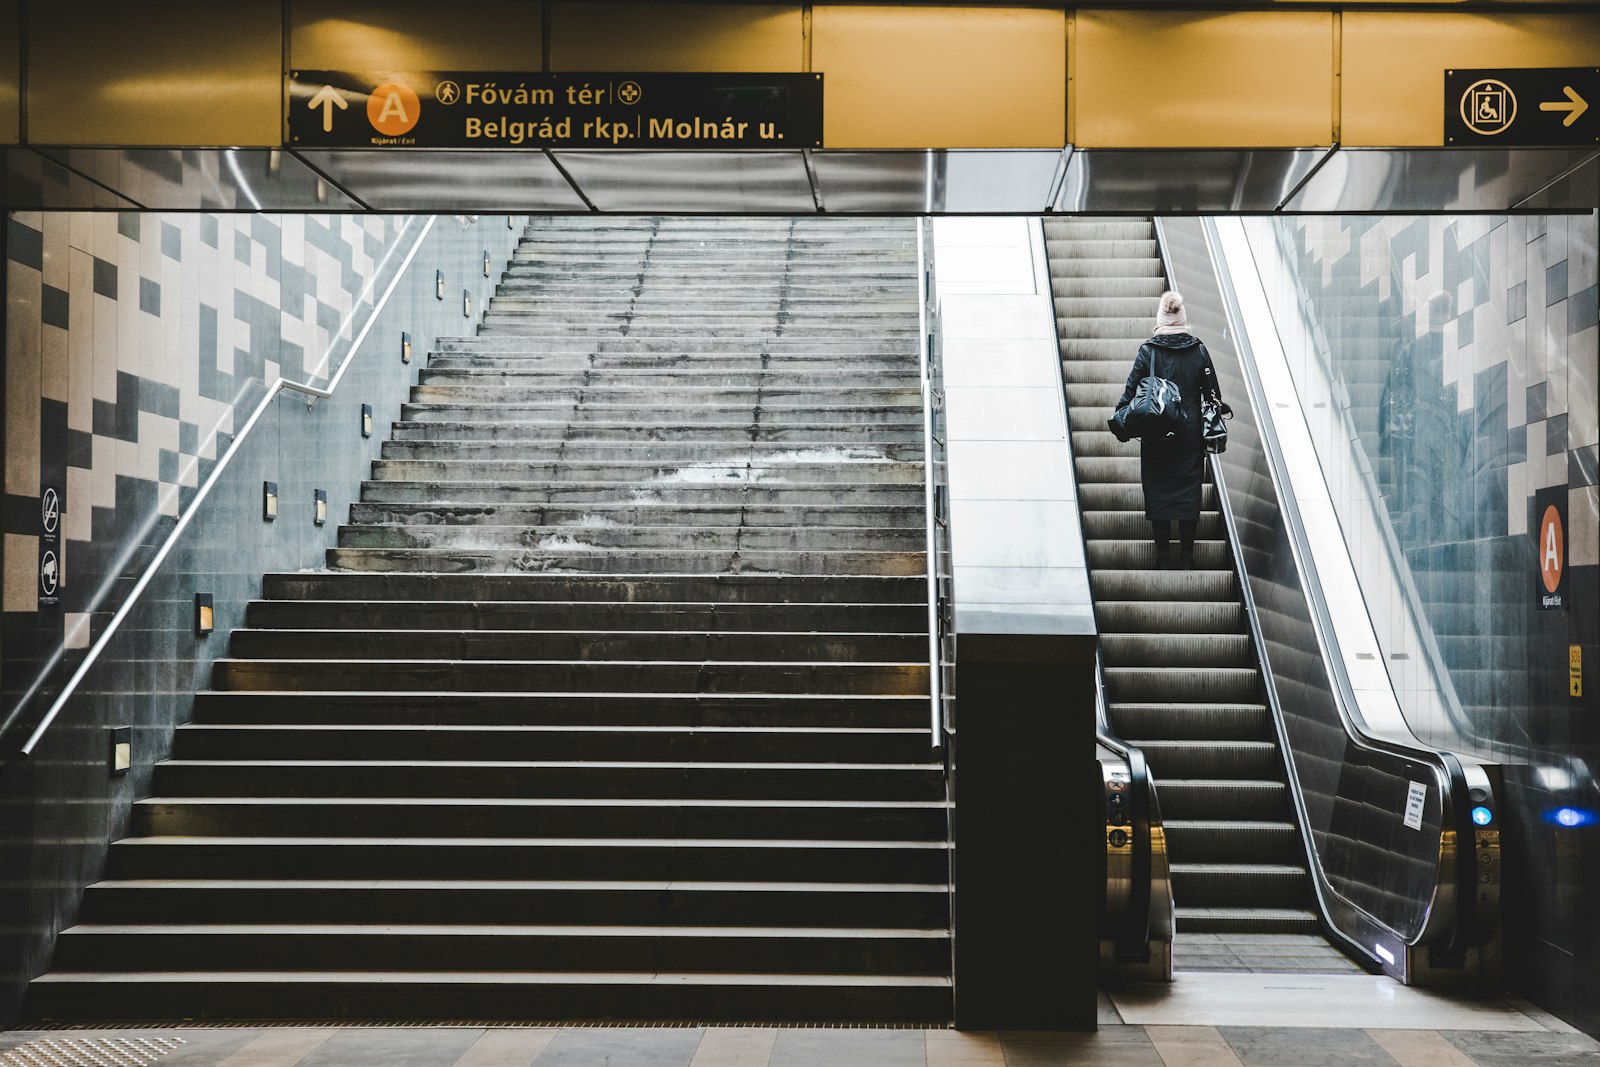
<point x="836" y="1048"/>
<point x="1296" y="1046"/>
<point x="963" y="1048"/>
<point x="1352" y="1001"/>
<point x="734" y="1047"/>
<point x="511" y="1047"/>
<point x="1527" y="1050"/>
<point x="279" y="1048"/>
<point x="1112" y="1046"/>
<point x="399" y="1046"/>
<point x="1420" y="1048"/>
<point x="621" y="1047"/>
<point x="1191" y="1046"/>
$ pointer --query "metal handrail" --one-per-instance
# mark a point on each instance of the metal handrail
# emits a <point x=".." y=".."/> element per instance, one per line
<point x="925" y="357"/>
<point x="281" y="384"/>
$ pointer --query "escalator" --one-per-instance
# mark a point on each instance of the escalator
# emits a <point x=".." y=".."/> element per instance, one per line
<point x="1268" y="806"/>
<point x="1180" y="677"/>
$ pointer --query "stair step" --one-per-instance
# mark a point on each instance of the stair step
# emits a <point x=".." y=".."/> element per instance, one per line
<point x="714" y="588"/>
<point x="541" y="995"/>
<point x="640" y="903"/>
<point x="576" y="556"/>
<point x="476" y="816"/>
<point x="700" y="616"/>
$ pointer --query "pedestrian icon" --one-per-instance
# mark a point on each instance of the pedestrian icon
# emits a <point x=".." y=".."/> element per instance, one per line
<point x="447" y="92"/>
<point x="1488" y="107"/>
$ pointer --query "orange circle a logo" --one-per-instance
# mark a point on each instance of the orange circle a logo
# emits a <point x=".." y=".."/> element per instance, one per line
<point x="1552" y="549"/>
<point x="393" y="109"/>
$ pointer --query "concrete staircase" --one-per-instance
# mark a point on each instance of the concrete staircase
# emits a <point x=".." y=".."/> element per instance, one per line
<point x="1180" y="673"/>
<point x="609" y="703"/>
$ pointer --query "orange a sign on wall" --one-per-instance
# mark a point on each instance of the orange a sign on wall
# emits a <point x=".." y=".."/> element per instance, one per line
<point x="1550" y="511"/>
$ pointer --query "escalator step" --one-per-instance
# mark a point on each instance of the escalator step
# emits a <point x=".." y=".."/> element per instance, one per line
<point x="1221" y="722"/>
<point x="1244" y="920"/>
<point x="1199" y="760"/>
<point x="1176" y="650"/>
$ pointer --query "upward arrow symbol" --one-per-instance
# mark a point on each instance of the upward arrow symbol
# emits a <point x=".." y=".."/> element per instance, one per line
<point x="327" y="99"/>
<point x="1574" y="105"/>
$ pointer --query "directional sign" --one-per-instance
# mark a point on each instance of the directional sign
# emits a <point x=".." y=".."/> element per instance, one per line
<point x="475" y="109"/>
<point x="1553" y="106"/>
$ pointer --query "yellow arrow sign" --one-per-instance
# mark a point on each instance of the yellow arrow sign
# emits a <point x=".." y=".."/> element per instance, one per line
<point x="328" y="99"/>
<point x="1574" y="105"/>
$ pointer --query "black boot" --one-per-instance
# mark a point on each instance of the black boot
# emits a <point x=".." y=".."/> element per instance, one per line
<point x="1186" y="557"/>
<point x="1163" y="556"/>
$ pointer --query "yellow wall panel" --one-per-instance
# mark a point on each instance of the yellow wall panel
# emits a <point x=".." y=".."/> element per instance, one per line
<point x="10" y="70"/>
<point x="1186" y="79"/>
<point x="168" y="72"/>
<point x="401" y="35"/>
<point x="941" y="76"/>
<point x="1394" y="64"/>
<point x="667" y="37"/>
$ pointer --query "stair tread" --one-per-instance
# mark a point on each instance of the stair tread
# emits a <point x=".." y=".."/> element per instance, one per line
<point x="557" y="978"/>
<point x="472" y="885"/>
<point x="498" y="930"/>
<point x="157" y="840"/>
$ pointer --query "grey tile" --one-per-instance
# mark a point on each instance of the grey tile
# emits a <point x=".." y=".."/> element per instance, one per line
<point x="397" y="1047"/>
<point x="208" y="229"/>
<point x="188" y="438"/>
<point x="1304" y="1046"/>
<point x="620" y="1047"/>
<point x="24" y="245"/>
<point x="1110" y="1046"/>
<point x="1583" y="309"/>
<point x="1555" y="283"/>
<point x="129" y="224"/>
<point x="1517" y="302"/>
<point x="241" y="247"/>
<point x="826" y="1048"/>
<point x="1502" y="1049"/>
<point x="53" y="307"/>
<point x="105" y="278"/>
<point x="1555" y="435"/>
<point x="150" y="297"/>
<point x="1582" y="464"/>
<point x="1464" y="324"/>
<point x="1536" y="403"/>
<point x="171" y="241"/>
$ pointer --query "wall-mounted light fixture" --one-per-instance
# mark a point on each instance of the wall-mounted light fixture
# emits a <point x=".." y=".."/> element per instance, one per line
<point x="205" y="617"/>
<point x="366" y="420"/>
<point x="320" y="504"/>
<point x="269" y="500"/>
<point x="511" y="222"/>
<point x="405" y="347"/>
<point x="485" y="262"/>
<point x="466" y="303"/>
<point x="121" y="749"/>
<point x="438" y="284"/>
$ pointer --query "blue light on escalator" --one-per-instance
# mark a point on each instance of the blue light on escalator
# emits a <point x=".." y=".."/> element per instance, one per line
<point x="1571" y="817"/>
<point x="1482" y="815"/>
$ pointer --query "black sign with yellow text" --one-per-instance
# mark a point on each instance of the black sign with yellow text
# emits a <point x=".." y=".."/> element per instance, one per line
<point x="1555" y="106"/>
<point x="473" y="109"/>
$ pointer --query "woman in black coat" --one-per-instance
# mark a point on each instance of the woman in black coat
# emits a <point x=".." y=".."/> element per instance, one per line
<point x="1171" y="468"/>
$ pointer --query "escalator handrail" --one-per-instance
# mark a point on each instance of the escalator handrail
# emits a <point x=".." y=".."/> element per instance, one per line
<point x="1319" y="882"/>
<point x="1449" y="778"/>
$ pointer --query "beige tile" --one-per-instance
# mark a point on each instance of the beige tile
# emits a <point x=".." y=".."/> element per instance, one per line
<point x="734" y="1046"/>
<point x="515" y="1047"/>
<point x="1191" y="1046"/>
<point x="1420" y="1048"/>
<point x="280" y="1048"/>
<point x="21" y="575"/>
<point x="959" y="1048"/>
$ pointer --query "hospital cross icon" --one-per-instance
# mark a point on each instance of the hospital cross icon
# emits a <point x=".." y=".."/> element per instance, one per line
<point x="630" y="93"/>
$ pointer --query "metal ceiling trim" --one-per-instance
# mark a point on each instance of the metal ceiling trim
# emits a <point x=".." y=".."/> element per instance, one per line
<point x="324" y="176"/>
<point x="570" y="180"/>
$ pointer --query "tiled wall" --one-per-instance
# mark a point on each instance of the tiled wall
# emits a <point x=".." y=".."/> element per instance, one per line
<point x="1496" y="317"/>
<point x="60" y="809"/>
<point x="134" y="345"/>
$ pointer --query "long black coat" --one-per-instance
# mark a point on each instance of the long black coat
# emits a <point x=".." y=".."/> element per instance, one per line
<point x="1171" y="468"/>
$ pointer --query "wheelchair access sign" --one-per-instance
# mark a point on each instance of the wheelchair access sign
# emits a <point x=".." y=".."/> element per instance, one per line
<point x="1525" y="107"/>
